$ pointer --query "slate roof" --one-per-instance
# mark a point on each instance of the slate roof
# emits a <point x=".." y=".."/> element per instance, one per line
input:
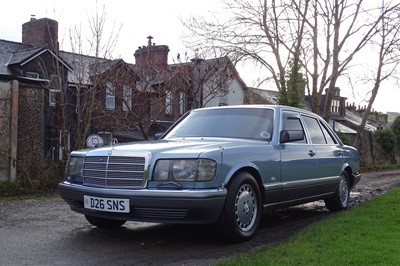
<point x="22" y="56"/>
<point x="82" y="69"/>
<point x="339" y="127"/>
<point x="356" y="120"/>
<point x="261" y="96"/>
<point x="13" y="53"/>
<point x="7" y="50"/>
<point x="80" y="66"/>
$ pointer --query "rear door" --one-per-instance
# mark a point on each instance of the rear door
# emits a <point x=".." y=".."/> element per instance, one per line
<point x="328" y="151"/>
<point x="298" y="161"/>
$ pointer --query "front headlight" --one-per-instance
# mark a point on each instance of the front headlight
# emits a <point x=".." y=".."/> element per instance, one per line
<point x="184" y="170"/>
<point x="74" y="167"/>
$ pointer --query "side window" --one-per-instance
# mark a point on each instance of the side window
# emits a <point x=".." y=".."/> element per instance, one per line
<point x="292" y="122"/>
<point x="328" y="136"/>
<point x="316" y="134"/>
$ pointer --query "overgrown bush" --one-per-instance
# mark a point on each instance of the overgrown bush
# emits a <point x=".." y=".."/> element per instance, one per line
<point x="387" y="141"/>
<point x="344" y="138"/>
<point x="44" y="181"/>
<point x="396" y="130"/>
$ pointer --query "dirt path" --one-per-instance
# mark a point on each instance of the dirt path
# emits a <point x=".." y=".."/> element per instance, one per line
<point x="373" y="184"/>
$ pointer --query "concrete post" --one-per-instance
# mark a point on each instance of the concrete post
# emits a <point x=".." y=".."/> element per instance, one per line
<point x="14" y="130"/>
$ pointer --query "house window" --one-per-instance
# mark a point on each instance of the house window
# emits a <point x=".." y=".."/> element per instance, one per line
<point x="182" y="103"/>
<point x="55" y="82"/>
<point x="55" y="88"/>
<point x="53" y="97"/>
<point x="168" y="103"/>
<point x="335" y="108"/>
<point x="127" y="95"/>
<point x="110" y="96"/>
<point x="32" y="75"/>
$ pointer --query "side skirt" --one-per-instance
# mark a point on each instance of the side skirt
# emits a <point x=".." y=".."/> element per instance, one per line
<point x="290" y="203"/>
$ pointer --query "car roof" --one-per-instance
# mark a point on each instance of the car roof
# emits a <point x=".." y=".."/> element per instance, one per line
<point x="277" y="108"/>
<point x="261" y="106"/>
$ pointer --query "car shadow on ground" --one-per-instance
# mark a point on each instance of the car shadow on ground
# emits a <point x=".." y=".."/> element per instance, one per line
<point x="144" y="243"/>
<point x="273" y="228"/>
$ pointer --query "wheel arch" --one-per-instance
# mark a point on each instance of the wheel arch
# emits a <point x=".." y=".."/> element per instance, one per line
<point x="254" y="172"/>
<point x="347" y="168"/>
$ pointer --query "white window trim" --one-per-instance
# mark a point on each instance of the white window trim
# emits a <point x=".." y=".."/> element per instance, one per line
<point x="335" y="106"/>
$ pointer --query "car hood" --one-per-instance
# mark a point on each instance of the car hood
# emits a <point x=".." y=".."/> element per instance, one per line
<point x="192" y="147"/>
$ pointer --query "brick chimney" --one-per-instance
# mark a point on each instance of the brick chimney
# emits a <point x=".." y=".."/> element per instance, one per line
<point x="152" y="55"/>
<point x="40" y="32"/>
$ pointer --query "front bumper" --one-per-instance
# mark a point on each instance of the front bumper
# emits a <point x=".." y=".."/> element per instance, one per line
<point x="160" y="206"/>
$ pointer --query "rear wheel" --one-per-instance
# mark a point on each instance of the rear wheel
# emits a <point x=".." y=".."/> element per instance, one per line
<point x="340" y="200"/>
<point x="103" y="222"/>
<point x="242" y="211"/>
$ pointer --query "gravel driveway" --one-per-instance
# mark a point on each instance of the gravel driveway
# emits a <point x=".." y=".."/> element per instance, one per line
<point x="45" y="232"/>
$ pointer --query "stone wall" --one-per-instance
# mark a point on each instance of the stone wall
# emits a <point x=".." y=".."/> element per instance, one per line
<point x="30" y="130"/>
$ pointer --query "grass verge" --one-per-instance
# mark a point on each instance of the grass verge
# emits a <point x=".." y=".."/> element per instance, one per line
<point x="366" y="235"/>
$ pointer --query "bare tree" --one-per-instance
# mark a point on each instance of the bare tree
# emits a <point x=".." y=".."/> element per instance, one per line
<point x="163" y="95"/>
<point x="387" y="43"/>
<point x="328" y="35"/>
<point x="86" y="79"/>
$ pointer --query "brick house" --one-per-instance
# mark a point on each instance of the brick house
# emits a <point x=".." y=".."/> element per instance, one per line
<point x="138" y="100"/>
<point x="45" y="94"/>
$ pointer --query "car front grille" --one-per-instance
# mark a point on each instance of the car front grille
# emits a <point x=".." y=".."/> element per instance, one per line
<point x="114" y="171"/>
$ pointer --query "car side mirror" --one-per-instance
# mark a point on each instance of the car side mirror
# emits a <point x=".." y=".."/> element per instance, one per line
<point x="291" y="135"/>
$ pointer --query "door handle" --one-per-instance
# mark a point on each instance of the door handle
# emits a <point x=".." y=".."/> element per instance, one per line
<point x="311" y="153"/>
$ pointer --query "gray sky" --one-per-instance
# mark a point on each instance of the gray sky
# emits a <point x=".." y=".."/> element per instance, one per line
<point x="159" y="18"/>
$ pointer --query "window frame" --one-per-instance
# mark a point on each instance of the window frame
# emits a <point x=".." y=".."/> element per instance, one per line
<point x="127" y="98"/>
<point x="286" y="114"/>
<point x="110" y="96"/>
<point x="328" y="138"/>
<point x="168" y="102"/>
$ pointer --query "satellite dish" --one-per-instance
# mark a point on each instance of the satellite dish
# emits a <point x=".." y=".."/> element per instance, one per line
<point x="94" y="141"/>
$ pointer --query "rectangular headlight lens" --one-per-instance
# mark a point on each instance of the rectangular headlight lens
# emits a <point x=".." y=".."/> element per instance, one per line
<point x="184" y="170"/>
<point x="75" y="166"/>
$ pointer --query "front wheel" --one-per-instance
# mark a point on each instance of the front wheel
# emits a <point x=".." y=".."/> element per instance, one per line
<point x="340" y="200"/>
<point x="103" y="222"/>
<point x="242" y="211"/>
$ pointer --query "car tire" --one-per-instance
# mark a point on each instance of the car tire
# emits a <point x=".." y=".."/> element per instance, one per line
<point x="242" y="211"/>
<point x="103" y="222"/>
<point x="340" y="200"/>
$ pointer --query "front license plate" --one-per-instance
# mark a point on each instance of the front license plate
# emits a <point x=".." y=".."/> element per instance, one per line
<point x="106" y="204"/>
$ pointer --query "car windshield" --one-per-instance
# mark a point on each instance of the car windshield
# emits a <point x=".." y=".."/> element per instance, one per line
<point x="246" y="123"/>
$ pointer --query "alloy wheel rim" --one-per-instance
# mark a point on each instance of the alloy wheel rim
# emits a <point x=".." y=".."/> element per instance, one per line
<point x="245" y="208"/>
<point x="343" y="191"/>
